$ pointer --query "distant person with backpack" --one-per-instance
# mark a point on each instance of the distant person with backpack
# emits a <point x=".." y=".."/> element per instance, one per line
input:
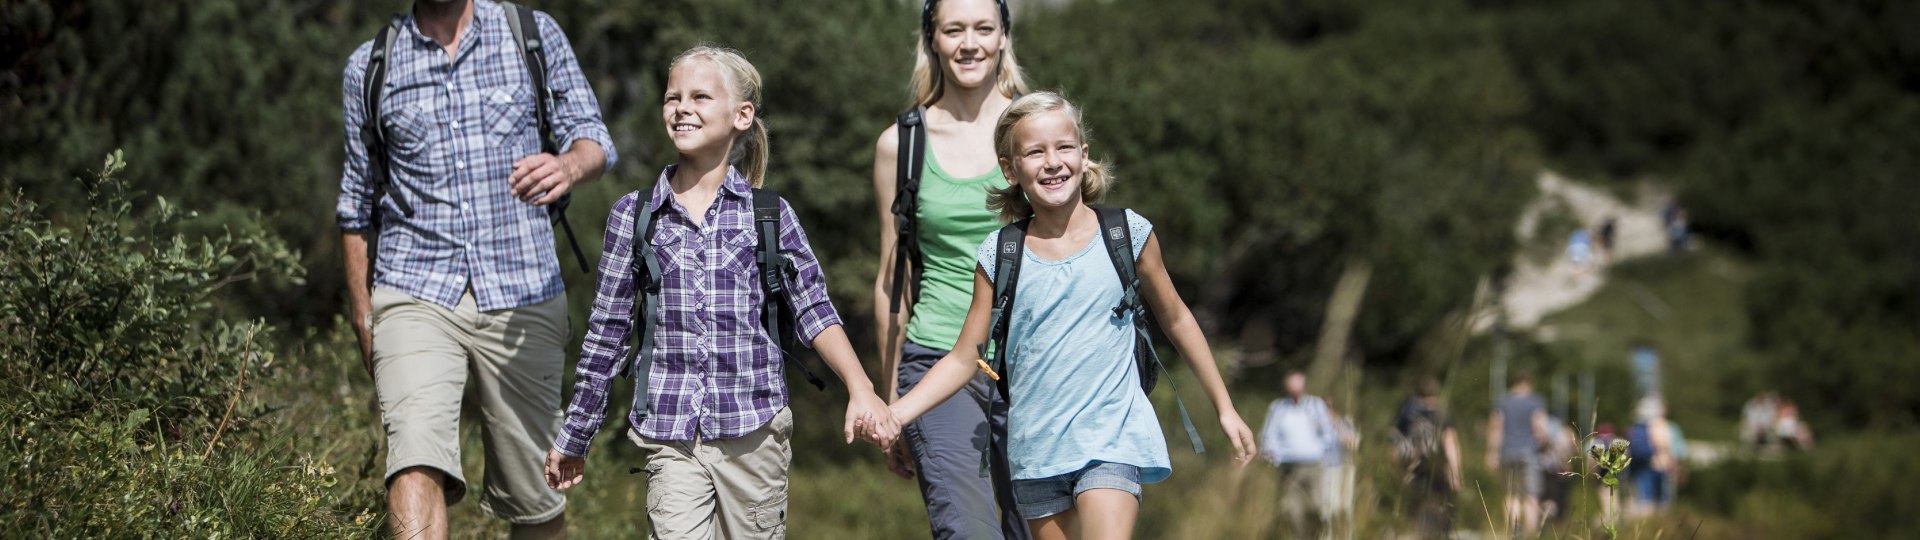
<point x="931" y="173"/>
<point x="1061" y="294"/>
<point x="468" y="122"/>
<point x="1298" y="437"/>
<point x="1650" y="442"/>
<point x="709" y="275"/>
<point x="1516" y="433"/>
<point x="1426" y="448"/>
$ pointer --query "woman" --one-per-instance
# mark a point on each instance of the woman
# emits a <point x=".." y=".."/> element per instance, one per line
<point x="937" y="163"/>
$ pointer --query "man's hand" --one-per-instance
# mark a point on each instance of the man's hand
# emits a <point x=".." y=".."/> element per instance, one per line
<point x="564" y="471"/>
<point x="543" y="178"/>
<point x="353" y="251"/>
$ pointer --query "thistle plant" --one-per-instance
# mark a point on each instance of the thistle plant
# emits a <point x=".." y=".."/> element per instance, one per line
<point x="1612" y="459"/>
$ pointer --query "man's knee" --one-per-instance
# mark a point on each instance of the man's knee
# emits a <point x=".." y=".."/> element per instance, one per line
<point x="412" y="479"/>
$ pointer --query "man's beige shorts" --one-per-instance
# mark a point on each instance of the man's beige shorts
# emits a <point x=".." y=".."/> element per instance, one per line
<point x="729" y="488"/>
<point x="422" y="355"/>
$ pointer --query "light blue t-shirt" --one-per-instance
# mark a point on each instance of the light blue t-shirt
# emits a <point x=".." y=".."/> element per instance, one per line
<point x="1076" y="395"/>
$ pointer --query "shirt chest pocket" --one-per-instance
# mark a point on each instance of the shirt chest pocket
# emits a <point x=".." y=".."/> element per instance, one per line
<point x="738" y="253"/>
<point x="668" y="251"/>
<point x="508" y="114"/>
<point x="407" y="128"/>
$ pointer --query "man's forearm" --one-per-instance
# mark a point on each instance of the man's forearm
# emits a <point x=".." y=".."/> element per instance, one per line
<point x="353" y="250"/>
<point x="587" y="160"/>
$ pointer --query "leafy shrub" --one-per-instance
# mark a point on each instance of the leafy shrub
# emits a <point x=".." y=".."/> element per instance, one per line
<point x="127" y="413"/>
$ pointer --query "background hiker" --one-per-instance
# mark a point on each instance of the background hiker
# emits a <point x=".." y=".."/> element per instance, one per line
<point x="1516" y="433"/>
<point x="1298" y="437"/>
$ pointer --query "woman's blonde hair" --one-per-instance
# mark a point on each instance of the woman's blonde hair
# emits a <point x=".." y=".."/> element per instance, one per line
<point x="929" y="81"/>
<point x="749" y="153"/>
<point x="1011" y="202"/>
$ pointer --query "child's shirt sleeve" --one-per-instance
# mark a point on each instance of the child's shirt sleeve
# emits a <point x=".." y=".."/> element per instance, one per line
<point x="807" y="284"/>
<point x="604" y="351"/>
<point x="1138" y="229"/>
<point x="984" y="255"/>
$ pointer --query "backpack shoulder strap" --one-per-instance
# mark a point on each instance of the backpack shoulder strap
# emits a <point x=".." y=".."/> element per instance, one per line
<point x="776" y="316"/>
<point x="1117" y="235"/>
<point x="373" y="133"/>
<point x="533" y="55"/>
<point x="1118" y="238"/>
<point x="907" y="265"/>
<point x="1012" y="245"/>
<point x="646" y="286"/>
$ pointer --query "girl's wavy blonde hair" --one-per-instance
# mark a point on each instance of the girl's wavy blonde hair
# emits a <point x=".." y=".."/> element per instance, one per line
<point x="749" y="152"/>
<point x="1011" y="202"/>
<point x="929" y="81"/>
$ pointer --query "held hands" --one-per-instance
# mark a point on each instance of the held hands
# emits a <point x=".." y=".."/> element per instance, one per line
<point x="1244" y="447"/>
<point x="564" y="471"/>
<point x="868" y="418"/>
<point x="543" y="178"/>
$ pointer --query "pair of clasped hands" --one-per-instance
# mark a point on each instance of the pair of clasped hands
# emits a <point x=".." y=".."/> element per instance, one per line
<point x="875" y="424"/>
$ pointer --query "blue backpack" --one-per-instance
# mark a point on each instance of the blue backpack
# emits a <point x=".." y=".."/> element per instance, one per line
<point x="1640" y="443"/>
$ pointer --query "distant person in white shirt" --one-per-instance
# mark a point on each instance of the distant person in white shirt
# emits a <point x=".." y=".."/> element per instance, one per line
<point x="1297" y="437"/>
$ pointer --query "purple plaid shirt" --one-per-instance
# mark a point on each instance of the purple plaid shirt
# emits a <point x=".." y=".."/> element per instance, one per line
<point x="716" y="373"/>
<point x="454" y="128"/>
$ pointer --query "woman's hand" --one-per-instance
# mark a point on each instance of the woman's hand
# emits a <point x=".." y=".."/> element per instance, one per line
<point x="900" y="460"/>
<point x="1244" y="447"/>
<point x="564" y="471"/>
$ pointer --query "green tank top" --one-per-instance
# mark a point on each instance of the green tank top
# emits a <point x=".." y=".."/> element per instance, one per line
<point x="953" y="220"/>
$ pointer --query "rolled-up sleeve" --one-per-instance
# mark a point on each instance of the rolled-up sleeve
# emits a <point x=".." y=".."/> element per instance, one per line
<point x="577" y="115"/>
<point x="808" y="283"/>
<point x="604" y="352"/>
<point x="355" y="207"/>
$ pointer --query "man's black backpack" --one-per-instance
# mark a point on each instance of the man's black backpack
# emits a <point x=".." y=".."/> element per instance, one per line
<point x="373" y="132"/>
<point x="775" y="314"/>
<point x="1118" y="239"/>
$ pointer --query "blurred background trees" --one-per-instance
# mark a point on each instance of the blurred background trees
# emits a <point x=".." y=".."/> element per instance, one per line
<point x="1274" y="142"/>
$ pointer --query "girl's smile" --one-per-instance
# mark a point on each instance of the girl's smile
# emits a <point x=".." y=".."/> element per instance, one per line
<point x="700" y="111"/>
<point x="1049" y="159"/>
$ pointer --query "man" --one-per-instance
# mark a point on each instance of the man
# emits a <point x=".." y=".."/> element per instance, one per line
<point x="1297" y="437"/>
<point x="470" y="281"/>
<point x="1515" y="434"/>
<point x="1428" y="451"/>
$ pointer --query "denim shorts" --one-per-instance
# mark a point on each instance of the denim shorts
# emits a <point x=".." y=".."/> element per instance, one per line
<point x="1054" y="494"/>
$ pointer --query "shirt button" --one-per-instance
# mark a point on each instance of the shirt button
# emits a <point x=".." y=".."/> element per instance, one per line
<point x="456" y="124"/>
<point x="461" y="164"/>
<point x="449" y="87"/>
<point x="463" y="206"/>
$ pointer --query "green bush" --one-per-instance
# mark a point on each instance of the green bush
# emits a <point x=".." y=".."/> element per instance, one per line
<point x="1858" y="487"/>
<point x="127" y="413"/>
